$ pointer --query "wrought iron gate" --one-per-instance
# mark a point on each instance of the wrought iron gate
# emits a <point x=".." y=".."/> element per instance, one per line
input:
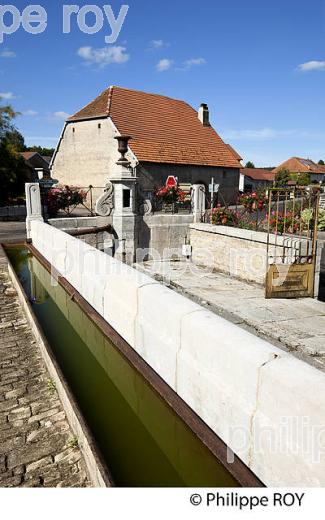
<point x="292" y="242"/>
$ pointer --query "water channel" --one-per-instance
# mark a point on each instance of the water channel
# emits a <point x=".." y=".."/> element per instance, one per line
<point x="143" y="441"/>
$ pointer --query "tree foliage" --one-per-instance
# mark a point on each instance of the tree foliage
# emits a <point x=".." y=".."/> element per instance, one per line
<point x="282" y="178"/>
<point x="41" y="150"/>
<point x="249" y="164"/>
<point x="321" y="163"/>
<point x="12" y="166"/>
<point x="7" y="114"/>
<point x="302" y="179"/>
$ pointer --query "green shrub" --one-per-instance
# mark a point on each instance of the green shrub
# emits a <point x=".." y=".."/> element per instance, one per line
<point x="321" y="220"/>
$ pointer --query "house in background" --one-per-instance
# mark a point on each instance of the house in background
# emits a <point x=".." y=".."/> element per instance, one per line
<point x="252" y="179"/>
<point x="36" y="165"/>
<point x="298" y="166"/>
<point x="168" y="138"/>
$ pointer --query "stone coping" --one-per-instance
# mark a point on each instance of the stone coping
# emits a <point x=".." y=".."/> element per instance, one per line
<point x="230" y="378"/>
<point x="247" y="234"/>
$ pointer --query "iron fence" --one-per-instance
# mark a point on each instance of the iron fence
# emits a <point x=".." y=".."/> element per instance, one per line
<point x="71" y="201"/>
<point x="158" y="205"/>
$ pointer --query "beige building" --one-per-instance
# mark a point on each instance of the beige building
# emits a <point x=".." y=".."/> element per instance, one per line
<point x="168" y="138"/>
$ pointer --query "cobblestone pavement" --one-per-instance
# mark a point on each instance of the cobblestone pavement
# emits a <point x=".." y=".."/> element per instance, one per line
<point x="37" y="447"/>
<point x="297" y="326"/>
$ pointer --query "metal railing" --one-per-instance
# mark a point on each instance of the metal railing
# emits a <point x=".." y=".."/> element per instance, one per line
<point x="160" y="206"/>
<point x="71" y="201"/>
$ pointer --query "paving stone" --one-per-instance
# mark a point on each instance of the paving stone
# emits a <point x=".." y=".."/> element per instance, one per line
<point x="14" y="394"/>
<point x="11" y="444"/>
<point x="43" y="415"/>
<point x="33" y="425"/>
<point x="13" y="481"/>
<point x="39" y="463"/>
<point x="20" y="413"/>
<point x="8" y="405"/>
<point x="297" y="325"/>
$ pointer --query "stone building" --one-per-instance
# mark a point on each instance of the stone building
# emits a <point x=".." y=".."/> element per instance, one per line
<point x="168" y="138"/>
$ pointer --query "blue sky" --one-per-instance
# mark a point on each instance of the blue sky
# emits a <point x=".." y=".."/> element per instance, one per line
<point x="259" y="65"/>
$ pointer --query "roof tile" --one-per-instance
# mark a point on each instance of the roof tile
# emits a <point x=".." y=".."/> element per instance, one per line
<point x="163" y="130"/>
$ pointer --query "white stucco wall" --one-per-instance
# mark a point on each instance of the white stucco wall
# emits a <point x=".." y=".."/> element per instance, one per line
<point x="86" y="153"/>
<point x="249" y="392"/>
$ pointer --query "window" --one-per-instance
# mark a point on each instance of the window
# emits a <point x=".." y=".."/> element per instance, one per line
<point x="99" y="126"/>
<point x="126" y="198"/>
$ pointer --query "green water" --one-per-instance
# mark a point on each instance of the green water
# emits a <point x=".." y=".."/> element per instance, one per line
<point x="141" y="438"/>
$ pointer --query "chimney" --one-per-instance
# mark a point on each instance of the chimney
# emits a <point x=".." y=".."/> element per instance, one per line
<point x="204" y="115"/>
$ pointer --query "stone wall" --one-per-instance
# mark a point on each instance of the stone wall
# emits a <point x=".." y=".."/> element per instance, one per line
<point x="86" y="154"/>
<point x="240" y="252"/>
<point x="100" y="240"/>
<point x="156" y="174"/>
<point x="242" y="387"/>
<point x="164" y="234"/>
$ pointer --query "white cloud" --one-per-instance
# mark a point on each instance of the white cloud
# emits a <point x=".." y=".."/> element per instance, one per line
<point x="105" y="56"/>
<point x="164" y="65"/>
<point x="157" y="44"/>
<point x="262" y="134"/>
<point x="30" y="113"/>
<point x="311" y="66"/>
<point x="7" y="54"/>
<point x="7" y="95"/>
<point x="61" y="115"/>
<point x="194" y="62"/>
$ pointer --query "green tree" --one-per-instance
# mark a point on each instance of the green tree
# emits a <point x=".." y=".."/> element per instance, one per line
<point x="282" y="178"/>
<point x="15" y="140"/>
<point x="7" y="115"/>
<point x="249" y="164"/>
<point x="321" y="163"/>
<point x="42" y="151"/>
<point x="302" y="179"/>
<point x="12" y="166"/>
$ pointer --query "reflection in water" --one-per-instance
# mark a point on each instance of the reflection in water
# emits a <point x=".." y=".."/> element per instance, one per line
<point x="142" y="440"/>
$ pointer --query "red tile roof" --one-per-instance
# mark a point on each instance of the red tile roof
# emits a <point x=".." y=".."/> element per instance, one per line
<point x="258" y="174"/>
<point x="27" y="155"/>
<point x="163" y="130"/>
<point x="299" y="165"/>
<point x="236" y="154"/>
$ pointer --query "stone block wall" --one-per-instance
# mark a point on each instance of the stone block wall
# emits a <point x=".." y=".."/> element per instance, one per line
<point x="245" y="389"/>
<point x="164" y="234"/>
<point x="240" y="252"/>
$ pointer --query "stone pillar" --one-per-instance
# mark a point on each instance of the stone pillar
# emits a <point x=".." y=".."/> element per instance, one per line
<point x="125" y="212"/>
<point x="33" y="205"/>
<point x="198" y="201"/>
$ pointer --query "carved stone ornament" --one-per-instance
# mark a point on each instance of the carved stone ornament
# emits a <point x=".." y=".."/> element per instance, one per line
<point x="145" y="204"/>
<point x="105" y="203"/>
